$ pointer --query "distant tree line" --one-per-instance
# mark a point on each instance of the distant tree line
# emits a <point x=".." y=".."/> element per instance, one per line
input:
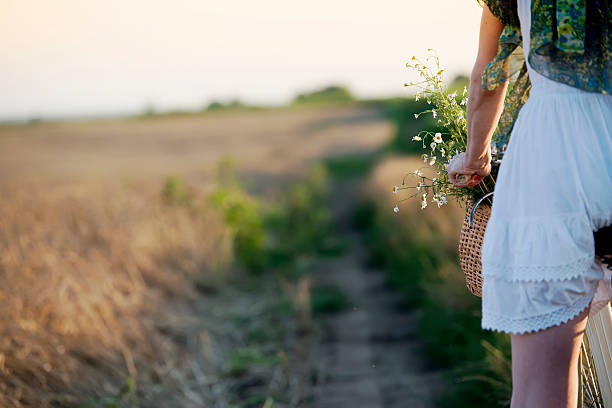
<point x="333" y="93"/>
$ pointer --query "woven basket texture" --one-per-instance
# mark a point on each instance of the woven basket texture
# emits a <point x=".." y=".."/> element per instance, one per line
<point x="470" y="246"/>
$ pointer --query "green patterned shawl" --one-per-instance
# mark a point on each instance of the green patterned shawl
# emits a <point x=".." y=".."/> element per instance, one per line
<point x="570" y="42"/>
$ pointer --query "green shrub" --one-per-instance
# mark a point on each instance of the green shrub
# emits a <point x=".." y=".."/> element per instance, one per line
<point x="280" y="234"/>
<point x="243" y="215"/>
<point x="330" y="94"/>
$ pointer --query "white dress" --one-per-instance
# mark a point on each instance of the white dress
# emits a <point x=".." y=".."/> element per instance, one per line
<point x="554" y="188"/>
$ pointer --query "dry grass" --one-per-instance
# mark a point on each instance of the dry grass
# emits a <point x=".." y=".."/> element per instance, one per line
<point x="84" y="272"/>
<point x="267" y="143"/>
<point x="444" y="221"/>
<point x="102" y="281"/>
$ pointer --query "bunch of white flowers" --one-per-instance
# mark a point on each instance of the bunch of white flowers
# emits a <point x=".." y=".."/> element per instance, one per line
<point x="450" y="113"/>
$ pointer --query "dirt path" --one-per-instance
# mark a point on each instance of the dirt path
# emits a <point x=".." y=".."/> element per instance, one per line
<point x="369" y="355"/>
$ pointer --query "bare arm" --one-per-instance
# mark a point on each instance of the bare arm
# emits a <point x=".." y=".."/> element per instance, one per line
<point x="483" y="108"/>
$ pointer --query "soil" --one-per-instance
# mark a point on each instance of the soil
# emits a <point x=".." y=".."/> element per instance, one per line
<point x="369" y="355"/>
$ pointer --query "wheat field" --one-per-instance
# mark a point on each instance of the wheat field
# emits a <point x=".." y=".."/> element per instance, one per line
<point x="103" y="280"/>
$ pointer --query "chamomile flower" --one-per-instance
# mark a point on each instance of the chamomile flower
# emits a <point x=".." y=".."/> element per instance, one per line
<point x="416" y="97"/>
<point x="432" y="161"/>
<point x="423" y="201"/>
<point x="419" y="185"/>
<point x="395" y="189"/>
<point x="433" y="112"/>
<point x="396" y="209"/>
<point x="440" y="199"/>
<point x="417" y="173"/>
<point x="453" y="95"/>
<point x="416" y="115"/>
<point x="442" y="152"/>
<point x="417" y="138"/>
<point x="425" y="158"/>
<point x="433" y="145"/>
<point x="438" y="137"/>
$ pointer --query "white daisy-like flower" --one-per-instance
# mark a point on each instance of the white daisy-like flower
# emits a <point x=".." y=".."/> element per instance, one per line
<point x="438" y="137"/>
<point x="453" y="95"/>
<point x="433" y="112"/>
<point x="419" y="185"/>
<point x="416" y="115"/>
<point x="396" y="209"/>
<point x="417" y="173"/>
<point x="416" y="97"/>
<point x="433" y="145"/>
<point x="395" y="189"/>
<point x="417" y="138"/>
<point x="442" y="152"/>
<point x="440" y="199"/>
<point x="424" y="201"/>
<point x="425" y="158"/>
<point x="465" y="90"/>
<point x="432" y="161"/>
<point x="463" y="101"/>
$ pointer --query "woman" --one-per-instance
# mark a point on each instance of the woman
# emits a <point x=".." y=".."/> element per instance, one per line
<point x="554" y="186"/>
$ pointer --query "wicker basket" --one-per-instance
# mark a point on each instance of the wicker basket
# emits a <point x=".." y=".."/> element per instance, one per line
<point x="470" y="244"/>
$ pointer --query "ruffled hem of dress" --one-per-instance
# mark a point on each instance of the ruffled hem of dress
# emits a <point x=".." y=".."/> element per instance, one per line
<point x="532" y="324"/>
<point x="558" y="247"/>
<point x="539" y="273"/>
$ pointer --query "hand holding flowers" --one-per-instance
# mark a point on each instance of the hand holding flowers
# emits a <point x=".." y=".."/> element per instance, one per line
<point x="463" y="172"/>
<point x="460" y="172"/>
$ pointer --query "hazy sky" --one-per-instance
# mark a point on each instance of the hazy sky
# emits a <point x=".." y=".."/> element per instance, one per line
<point x="87" y="57"/>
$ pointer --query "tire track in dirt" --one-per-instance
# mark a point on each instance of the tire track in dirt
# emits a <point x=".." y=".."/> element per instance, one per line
<point x="369" y="355"/>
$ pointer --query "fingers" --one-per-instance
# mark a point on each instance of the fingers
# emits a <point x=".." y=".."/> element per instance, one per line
<point x="474" y="181"/>
<point x="471" y="183"/>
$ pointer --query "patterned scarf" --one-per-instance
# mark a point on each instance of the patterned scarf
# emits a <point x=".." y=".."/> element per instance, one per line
<point x="570" y="42"/>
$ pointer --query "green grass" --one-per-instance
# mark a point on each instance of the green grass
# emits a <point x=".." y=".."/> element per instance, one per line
<point x="326" y="299"/>
<point x="128" y="391"/>
<point x="423" y="266"/>
<point x="350" y="166"/>
<point x="245" y="358"/>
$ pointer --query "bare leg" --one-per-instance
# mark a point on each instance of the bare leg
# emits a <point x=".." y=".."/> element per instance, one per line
<point x="545" y="365"/>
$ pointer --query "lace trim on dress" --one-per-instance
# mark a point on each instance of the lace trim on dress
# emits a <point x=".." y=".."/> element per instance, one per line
<point x="503" y="324"/>
<point x="538" y="273"/>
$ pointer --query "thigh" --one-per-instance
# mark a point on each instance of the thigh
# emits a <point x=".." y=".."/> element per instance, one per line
<point x="545" y="365"/>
